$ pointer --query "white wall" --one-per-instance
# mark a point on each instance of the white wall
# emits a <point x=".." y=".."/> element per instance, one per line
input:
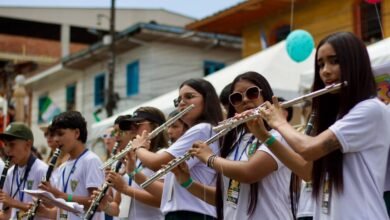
<point x="163" y="67"/>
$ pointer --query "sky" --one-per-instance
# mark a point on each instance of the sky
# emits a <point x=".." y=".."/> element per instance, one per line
<point x="194" y="8"/>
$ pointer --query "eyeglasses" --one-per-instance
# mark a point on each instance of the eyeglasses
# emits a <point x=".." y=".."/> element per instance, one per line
<point x="186" y="96"/>
<point x="251" y="93"/>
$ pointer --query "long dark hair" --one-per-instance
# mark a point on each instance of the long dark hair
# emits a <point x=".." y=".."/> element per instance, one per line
<point x="231" y="137"/>
<point x="212" y="112"/>
<point x="355" y="68"/>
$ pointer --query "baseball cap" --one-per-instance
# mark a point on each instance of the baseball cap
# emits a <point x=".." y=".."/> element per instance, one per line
<point x="17" y="130"/>
<point x="140" y="115"/>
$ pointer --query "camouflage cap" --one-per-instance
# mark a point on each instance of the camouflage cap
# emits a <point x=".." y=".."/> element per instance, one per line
<point x="17" y="130"/>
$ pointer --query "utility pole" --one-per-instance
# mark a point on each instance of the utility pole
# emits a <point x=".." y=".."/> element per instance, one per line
<point x="111" y="100"/>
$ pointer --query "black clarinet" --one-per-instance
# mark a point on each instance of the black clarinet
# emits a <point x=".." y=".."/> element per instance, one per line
<point x="30" y="214"/>
<point x="95" y="204"/>
<point x="7" y="164"/>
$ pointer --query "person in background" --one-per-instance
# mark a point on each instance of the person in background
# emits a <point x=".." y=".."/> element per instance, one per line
<point x="177" y="129"/>
<point x="224" y="98"/>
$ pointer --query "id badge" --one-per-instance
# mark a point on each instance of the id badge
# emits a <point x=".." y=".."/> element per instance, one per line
<point x="63" y="215"/>
<point x="20" y="215"/>
<point x="170" y="188"/>
<point x="308" y="187"/>
<point x="233" y="193"/>
<point x="326" y="196"/>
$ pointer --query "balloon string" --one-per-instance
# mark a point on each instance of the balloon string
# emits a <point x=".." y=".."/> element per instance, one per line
<point x="292" y="15"/>
<point x="379" y="20"/>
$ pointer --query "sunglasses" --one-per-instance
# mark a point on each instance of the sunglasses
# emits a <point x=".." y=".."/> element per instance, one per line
<point x="105" y="136"/>
<point x="186" y="96"/>
<point x="117" y="133"/>
<point x="251" y="93"/>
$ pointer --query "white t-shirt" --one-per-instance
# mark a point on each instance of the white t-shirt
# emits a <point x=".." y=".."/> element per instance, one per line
<point x="387" y="183"/>
<point x="273" y="190"/>
<point x="177" y="198"/>
<point x="87" y="174"/>
<point x="364" y="136"/>
<point x="306" y="202"/>
<point x="1" y="165"/>
<point x="37" y="172"/>
<point x="139" y="210"/>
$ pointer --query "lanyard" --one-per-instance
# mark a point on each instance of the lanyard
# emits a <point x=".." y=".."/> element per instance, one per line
<point x="246" y="146"/>
<point x="65" y="184"/>
<point x="30" y="162"/>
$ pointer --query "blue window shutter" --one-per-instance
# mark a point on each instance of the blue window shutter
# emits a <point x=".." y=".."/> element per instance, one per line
<point x="132" y="76"/>
<point x="210" y="67"/>
<point x="71" y="97"/>
<point x="99" y="89"/>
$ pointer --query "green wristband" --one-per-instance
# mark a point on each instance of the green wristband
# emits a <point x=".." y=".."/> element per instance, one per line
<point x="270" y="141"/>
<point x="70" y="198"/>
<point x="187" y="183"/>
<point x="137" y="170"/>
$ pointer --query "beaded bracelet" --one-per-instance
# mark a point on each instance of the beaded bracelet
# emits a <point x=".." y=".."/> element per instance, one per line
<point x="210" y="161"/>
<point x="187" y="184"/>
<point x="269" y="141"/>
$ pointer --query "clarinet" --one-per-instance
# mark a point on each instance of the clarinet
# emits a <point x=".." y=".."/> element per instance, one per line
<point x="30" y="214"/>
<point x="7" y="164"/>
<point x="95" y="204"/>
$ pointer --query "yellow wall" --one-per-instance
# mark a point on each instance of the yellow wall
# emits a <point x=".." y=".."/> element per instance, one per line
<point x="319" y="17"/>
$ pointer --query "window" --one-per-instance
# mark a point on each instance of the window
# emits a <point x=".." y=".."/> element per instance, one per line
<point x="71" y="97"/>
<point x="368" y="25"/>
<point x="210" y="67"/>
<point x="41" y="107"/>
<point x="100" y="85"/>
<point x="132" y="78"/>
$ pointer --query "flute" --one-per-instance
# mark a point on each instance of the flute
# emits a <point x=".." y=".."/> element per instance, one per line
<point x="175" y="162"/>
<point x="151" y="135"/>
<point x="95" y="203"/>
<point x="30" y="214"/>
<point x="231" y="123"/>
<point x="254" y="113"/>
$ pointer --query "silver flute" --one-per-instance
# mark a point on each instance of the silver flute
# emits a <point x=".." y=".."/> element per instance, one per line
<point x="175" y="162"/>
<point x="230" y="124"/>
<point x="151" y="135"/>
<point x="254" y="113"/>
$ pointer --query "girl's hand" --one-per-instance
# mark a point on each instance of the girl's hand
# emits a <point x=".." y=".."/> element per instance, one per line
<point x="182" y="173"/>
<point x="116" y="181"/>
<point x="273" y="114"/>
<point x="141" y="141"/>
<point x="201" y="150"/>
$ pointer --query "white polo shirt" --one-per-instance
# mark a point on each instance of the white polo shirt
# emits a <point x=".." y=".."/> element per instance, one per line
<point x="87" y="174"/>
<point x="34" y="178"/>
<point x="177" y="198"/>
<point x="273" y="200"/>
